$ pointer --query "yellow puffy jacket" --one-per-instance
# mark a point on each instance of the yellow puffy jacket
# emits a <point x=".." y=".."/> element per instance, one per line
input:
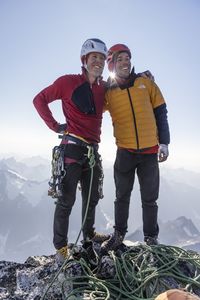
<point x="133" y="114"/>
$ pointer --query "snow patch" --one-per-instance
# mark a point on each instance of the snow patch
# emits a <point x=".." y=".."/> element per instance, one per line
<point x="17" y="174"/>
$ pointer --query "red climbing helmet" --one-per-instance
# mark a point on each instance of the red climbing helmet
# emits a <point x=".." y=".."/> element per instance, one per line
<point x="112" y="54"/>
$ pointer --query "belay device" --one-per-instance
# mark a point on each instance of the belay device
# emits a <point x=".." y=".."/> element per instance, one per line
<point x="58" y="172"/>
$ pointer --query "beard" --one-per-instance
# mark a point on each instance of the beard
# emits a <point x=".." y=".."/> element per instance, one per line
<point x="95" y="72"/>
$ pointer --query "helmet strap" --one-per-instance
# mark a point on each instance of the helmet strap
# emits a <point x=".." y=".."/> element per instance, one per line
<point x="85" y="66"/>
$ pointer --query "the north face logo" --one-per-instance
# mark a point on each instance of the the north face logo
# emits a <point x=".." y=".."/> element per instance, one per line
<point x="141" y="86"/>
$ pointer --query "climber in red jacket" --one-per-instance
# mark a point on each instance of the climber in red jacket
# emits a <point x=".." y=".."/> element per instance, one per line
<point x="82" y="99"/>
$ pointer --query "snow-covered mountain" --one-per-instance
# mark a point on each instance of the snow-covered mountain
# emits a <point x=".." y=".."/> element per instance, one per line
<point x="177" y="197"/>
<point x="26" y="215"/>
<point x="180" y="232"/>
<point x="33" y="168"/>
<point x="15" y="185"/>
<point x="26" y="212"/>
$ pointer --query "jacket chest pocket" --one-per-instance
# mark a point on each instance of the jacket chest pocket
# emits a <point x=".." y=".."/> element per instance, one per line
<point x="83" y="98"/>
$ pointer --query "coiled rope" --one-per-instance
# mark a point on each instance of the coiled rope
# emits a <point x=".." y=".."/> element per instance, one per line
<point x="140" y="272"/>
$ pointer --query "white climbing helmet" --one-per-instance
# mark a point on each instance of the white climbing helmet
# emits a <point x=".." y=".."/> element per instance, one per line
<point x="93" y="45"/>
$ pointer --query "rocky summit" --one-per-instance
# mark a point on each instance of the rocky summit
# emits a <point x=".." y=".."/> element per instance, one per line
<point x="132" y="270"/>
<point x="28" y="280"/>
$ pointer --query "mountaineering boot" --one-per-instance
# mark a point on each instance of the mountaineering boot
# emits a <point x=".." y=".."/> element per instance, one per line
<point x="95" y="237"/>
<point x="92" y="256"/>
<point x="113" y="242"/>
<point x="151" y="241"/>
<point x="62" y="254"/>
<point x="100" y="237"/>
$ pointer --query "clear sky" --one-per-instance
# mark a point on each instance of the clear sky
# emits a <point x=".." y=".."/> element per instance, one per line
<point x="41" y="40"/>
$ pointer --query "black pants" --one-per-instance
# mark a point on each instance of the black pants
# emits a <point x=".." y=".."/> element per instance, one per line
<point x="74" y="172"/>
<point x="146" y="166"/>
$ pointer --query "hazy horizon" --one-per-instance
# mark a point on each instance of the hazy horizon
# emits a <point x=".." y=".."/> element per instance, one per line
<point x="41" y="41"/>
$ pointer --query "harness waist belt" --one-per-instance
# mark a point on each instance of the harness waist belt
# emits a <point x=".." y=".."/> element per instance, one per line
<point x="79" y="142"/>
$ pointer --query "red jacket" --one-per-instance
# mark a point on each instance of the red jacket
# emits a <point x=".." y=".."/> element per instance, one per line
<point x="82" y="105"/>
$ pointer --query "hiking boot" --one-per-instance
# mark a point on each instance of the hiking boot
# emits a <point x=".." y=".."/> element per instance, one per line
<point x="100" y="237"/>
<point x="62" y="254"/>
<point x="90" y="251"/>
<point x="151" y="241"/>
<point x="113" y="242"/>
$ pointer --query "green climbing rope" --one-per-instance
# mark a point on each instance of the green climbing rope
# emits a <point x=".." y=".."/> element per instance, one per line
<point x="141" y="272"/>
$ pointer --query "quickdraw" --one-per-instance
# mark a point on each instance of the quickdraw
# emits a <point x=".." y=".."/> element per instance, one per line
<point x="101" y="178"/>
<point x="58" y="172"/>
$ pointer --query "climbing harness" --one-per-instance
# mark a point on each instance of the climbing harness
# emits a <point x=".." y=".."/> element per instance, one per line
<point x="58" y="172"/>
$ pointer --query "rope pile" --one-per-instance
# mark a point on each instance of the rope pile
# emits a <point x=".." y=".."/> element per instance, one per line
<point x="139" y="272"/>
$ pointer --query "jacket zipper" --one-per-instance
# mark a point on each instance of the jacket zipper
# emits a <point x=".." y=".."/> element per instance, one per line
<point x="134" y="118"/>
<point x="93" y="106"/>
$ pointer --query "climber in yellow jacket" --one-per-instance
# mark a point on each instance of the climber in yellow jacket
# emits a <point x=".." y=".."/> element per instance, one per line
<point x="139" y="117"/>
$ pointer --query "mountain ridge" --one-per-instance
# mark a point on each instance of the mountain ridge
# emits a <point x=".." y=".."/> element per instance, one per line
<point x="27" y="211"/>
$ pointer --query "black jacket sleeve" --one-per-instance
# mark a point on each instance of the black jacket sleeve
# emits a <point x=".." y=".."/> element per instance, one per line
<point x="160" y="113"/>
